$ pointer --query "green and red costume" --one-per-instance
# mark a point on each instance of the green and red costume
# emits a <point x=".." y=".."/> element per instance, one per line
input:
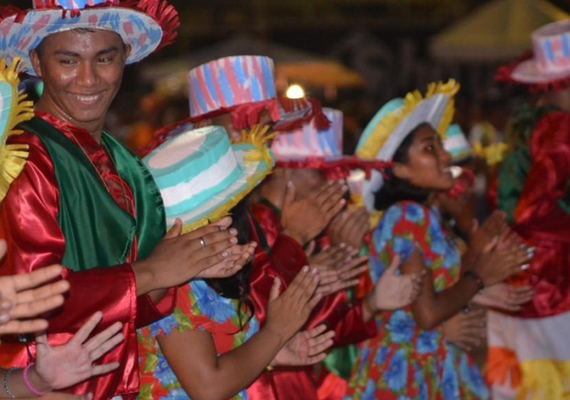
<point x="94" y="208"/>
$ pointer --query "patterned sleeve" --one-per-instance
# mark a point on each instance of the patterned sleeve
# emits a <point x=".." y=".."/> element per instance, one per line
<point x="403" y="228"/>
<point x="186" y="316"/>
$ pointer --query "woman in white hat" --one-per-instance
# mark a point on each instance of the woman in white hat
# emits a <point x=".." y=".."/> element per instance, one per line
<point x="410" y="358"/>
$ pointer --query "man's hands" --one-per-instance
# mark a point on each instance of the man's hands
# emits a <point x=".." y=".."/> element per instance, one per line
<point x="349" y="227"/>
<point x="19" y="299"/>
<point x="393" y="291"/>
<point x="304" y="219"/>
<point x="305" y="348"/>
<point x="64" y="366"/>
<point x="208" y="252"/>
<point x="288" y="312"/>
<point x="339" y="268"/>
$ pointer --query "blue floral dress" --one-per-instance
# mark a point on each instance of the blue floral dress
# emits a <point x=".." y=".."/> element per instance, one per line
<point x="200" y="307"/>
<point x="404" y="362"/>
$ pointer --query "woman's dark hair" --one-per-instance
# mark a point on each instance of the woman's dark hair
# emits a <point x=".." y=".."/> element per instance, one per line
<point x="395" y="189"/>
<point x="237" y="286"/>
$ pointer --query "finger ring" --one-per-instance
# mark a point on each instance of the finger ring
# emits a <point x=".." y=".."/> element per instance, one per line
<point x="203" y="243"/>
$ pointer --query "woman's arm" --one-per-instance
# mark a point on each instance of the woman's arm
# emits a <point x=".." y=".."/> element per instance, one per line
<point x="430" y="308"/>
<point x="205" y="375"/>
<point x="495" y="264"/>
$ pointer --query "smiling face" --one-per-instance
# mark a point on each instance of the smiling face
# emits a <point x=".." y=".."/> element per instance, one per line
<point x="82" y="72"/>
<point x="427" y="163"/>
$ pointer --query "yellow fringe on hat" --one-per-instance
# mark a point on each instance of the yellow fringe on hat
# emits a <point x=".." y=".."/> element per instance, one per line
<point x="258" y="137"/>
<point x="545" y="380"/>
<point x="392" y="120"/>
<point x="493" y="154"/>
<point x="13" y="157"/>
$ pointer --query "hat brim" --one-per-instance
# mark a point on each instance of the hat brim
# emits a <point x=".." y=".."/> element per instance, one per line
<point x="529" y="76"/>
<point x="138" y="30"/>
<point x="431" y="111"/>
<point x="528" y="72"/>
<point x="220" y="205"/>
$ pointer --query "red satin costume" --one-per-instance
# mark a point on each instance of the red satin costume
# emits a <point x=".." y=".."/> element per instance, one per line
<point x="283" y="258"/>
<point x="28" y="223"/>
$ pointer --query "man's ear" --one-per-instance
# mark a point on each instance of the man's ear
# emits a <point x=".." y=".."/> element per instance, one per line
<point x="35" y="59"/>
<point x="128" y="49"/>
<point x="401" y="171"/>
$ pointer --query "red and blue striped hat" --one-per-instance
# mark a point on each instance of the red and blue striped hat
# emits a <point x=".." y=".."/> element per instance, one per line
<point x="549" y="66"/>
<point x="145" y="25"/>
<point x="244" y="86"/>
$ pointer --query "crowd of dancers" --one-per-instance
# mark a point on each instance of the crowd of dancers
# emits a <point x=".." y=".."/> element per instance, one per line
<point x="245" y="257"/>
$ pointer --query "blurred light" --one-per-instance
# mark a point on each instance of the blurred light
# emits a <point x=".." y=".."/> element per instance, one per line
<point x="295" y="92"/>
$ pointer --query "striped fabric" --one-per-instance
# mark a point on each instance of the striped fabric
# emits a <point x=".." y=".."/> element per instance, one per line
<point x="311" y="142"/>
<point x="229" y="82"/>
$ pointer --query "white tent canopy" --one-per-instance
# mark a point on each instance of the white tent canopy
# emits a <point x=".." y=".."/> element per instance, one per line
<point x="498" y="31"/>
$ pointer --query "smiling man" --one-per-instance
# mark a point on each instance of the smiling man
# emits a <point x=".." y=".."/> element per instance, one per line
<point x="83" y="200"/>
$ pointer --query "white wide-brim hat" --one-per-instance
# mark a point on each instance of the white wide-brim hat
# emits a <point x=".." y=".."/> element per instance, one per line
<point x="255" y="162"/>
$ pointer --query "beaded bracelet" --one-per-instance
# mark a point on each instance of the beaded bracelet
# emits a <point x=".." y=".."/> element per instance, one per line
<point x="6" y="376"/>
<point x="28" y="384"/>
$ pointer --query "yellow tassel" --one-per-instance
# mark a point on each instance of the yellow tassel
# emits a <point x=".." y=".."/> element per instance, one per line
<point x="493" y="154"/>
<point x="391" y="121"/>
<point x="12" y="157"/>
<point x="545" y="379"/>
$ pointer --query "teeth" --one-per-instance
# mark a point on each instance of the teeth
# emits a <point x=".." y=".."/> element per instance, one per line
<point x="87" y="99"/>
<point x="455" y="171"/>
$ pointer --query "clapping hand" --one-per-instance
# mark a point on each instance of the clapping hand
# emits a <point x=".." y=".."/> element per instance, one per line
<point x="349" y="227"/>
<point x="505" y="297"/>
<point x="67" y="365"/>
<point x="466" y="331"/>
<point x="394" y="291"/>
<point x="305" y="219"/>
<point x="305" y="348"/>
<point x="27" y="296"/>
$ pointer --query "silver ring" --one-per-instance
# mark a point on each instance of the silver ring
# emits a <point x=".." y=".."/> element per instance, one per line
<point x="203" y="243"/>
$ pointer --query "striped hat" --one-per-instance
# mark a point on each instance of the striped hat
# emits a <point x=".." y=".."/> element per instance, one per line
<point x="145" y="25"/>
<point x="549" y="67"/>
<point x="243" y="85"/>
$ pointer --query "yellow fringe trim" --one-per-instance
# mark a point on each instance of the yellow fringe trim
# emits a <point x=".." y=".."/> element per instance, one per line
<point x="12" y="157"/>
<point x="392" y="120"/>
<point x="492" y="154"/>
<point x="545" y="380"/>
<point x="257" y="137"/>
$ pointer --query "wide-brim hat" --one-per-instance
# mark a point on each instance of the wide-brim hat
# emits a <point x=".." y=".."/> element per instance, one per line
<point x="396" y="121"/>
<point x="14" y="109"/>
<point x="548" y="67"/>
<point x="200" y="189"/>
<point x="145" y="25"/>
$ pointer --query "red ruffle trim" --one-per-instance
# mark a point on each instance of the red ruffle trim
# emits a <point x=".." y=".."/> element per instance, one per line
<point x="316" y="114"/>
<point x="337" y="169"/>
<point x="163" y="13"/>
<point x="245" y="116"/>
<point x="505" y="75"/>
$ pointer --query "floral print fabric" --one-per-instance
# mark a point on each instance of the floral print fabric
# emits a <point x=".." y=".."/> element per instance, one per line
<point x="198" y="307"/>
<point x="404" y="362"/>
